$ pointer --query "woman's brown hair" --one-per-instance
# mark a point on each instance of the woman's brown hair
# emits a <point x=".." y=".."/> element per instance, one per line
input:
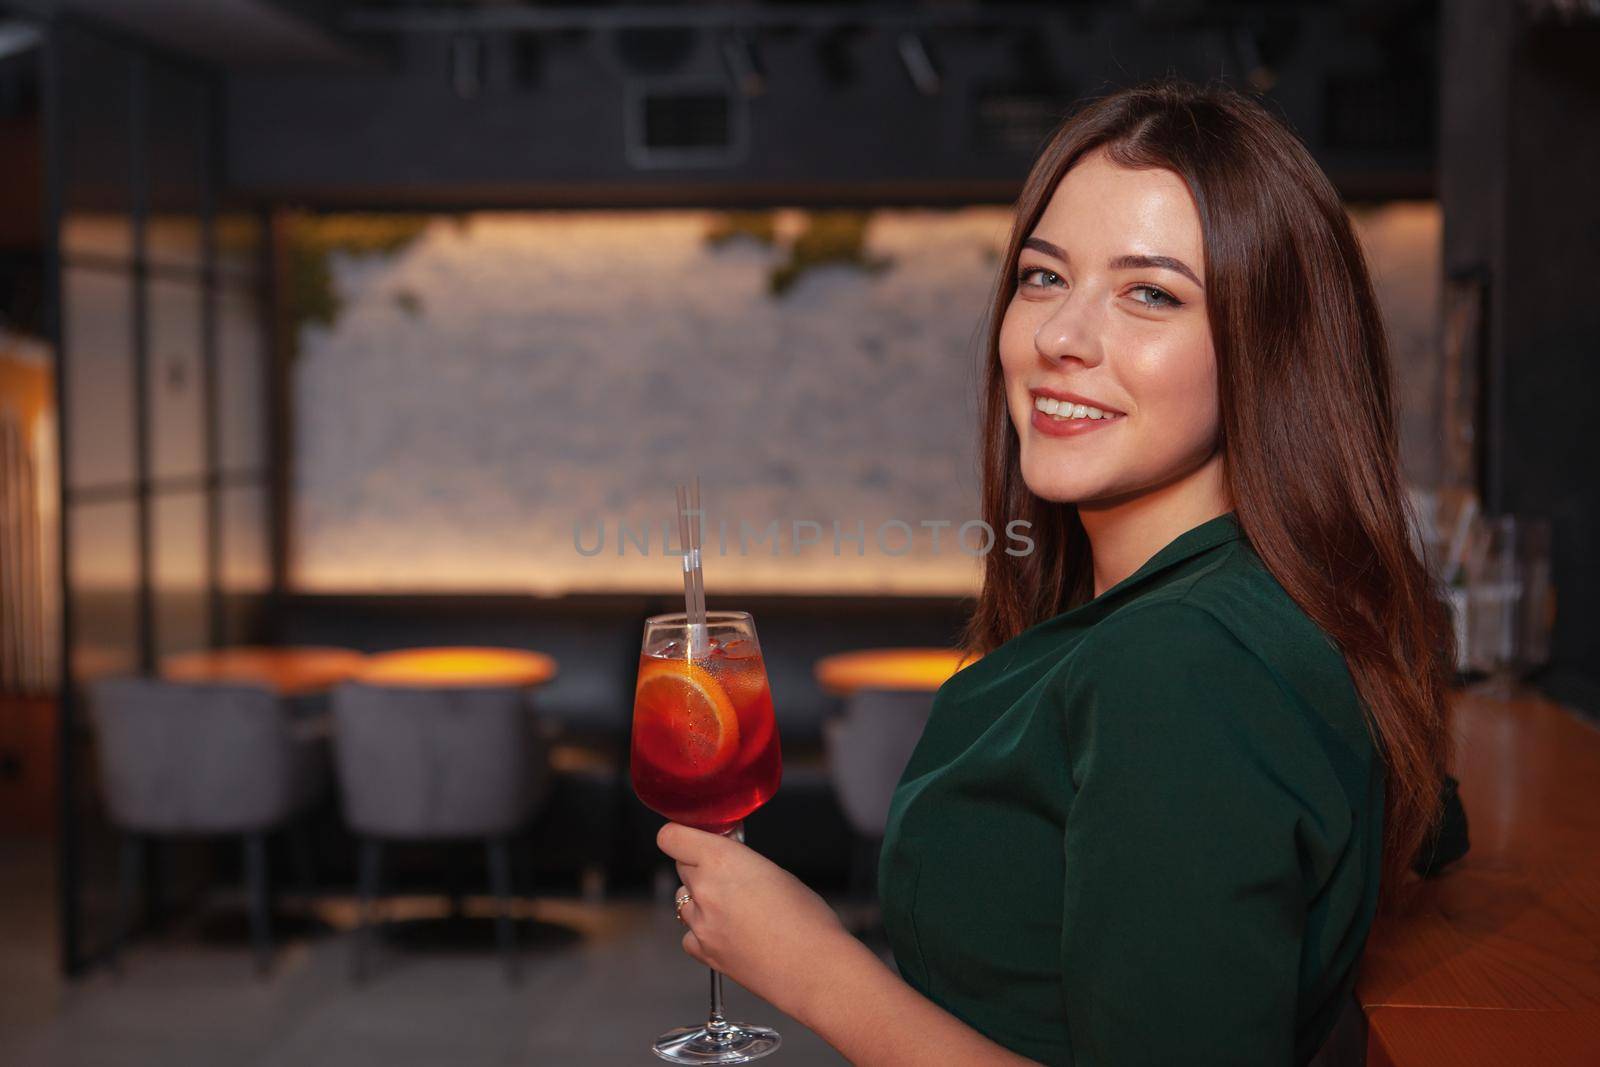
<point x="1308" y="435"/>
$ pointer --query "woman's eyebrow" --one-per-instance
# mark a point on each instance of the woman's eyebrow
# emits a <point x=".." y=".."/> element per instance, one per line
<point x="1128" y="262"/>
<point x="1160" y="262"/>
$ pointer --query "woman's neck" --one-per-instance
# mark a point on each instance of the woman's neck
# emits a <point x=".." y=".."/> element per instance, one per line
<point x="1126" y="531"/>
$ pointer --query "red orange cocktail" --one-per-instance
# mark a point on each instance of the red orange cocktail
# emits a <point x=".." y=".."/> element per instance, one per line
<point x="705" y="746"/>
<point x="705" y="754"/>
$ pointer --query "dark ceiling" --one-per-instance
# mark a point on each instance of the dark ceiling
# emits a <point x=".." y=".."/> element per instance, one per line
<point x="266" y="33"/>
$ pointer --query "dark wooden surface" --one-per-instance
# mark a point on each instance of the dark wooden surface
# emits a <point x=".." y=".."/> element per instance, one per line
<point x="1497" y="961"/>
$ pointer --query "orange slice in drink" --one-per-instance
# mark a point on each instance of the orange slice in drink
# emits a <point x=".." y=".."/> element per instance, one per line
<point x="684" y="722"/>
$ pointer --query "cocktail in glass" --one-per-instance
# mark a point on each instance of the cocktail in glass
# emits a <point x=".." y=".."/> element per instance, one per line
<point x="705" y="753"/>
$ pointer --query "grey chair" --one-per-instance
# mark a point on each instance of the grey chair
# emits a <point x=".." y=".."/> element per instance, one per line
<point x="868" y="747"/>
<point x="438" y="764"/>
<point x="181" y="759"/>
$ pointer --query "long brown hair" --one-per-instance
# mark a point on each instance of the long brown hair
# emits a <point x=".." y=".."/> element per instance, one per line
<point x="1308" y="435"/>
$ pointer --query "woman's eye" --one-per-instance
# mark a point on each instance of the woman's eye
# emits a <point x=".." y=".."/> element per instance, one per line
<point x="1159" y="298"/>
<point x="1027" y="272"/>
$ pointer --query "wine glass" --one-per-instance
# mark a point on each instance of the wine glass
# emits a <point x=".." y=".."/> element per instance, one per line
<point x="1509" y="599"/>
<point x="705" y="754"/>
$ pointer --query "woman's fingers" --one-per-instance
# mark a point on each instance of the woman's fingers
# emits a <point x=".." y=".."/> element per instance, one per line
<point x="686" y="915"/>
<point x="694" y="852"/>
<point x="688" y="845"/>
<point x="680" y="842"/>
<point x="691" y="945"/>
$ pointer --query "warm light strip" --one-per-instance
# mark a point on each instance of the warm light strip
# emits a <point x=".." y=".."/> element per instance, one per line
<point x="458" y="667"/>
<point x="914" y="669"/>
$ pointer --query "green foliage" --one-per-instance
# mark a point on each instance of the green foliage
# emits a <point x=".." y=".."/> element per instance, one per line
<point x="829" y="237"/>
<point x="313" y="239"/>
<point x="758" y="225"/>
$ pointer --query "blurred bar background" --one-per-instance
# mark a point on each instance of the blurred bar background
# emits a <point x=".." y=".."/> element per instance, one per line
<point x="354" y="325"/>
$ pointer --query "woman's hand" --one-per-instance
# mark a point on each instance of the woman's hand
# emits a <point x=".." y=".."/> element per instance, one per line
<point x="751" y="919"/>
<point x="756" y="923"/>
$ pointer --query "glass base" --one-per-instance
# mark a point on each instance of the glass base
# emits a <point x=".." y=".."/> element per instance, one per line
<point x="736" y="1044"/>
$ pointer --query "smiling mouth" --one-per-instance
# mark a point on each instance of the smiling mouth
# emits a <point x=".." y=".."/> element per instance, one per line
<point x="1065" y="411"/>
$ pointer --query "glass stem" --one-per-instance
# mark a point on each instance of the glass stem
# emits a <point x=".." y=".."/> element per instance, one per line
<point x="717" y="1026"/>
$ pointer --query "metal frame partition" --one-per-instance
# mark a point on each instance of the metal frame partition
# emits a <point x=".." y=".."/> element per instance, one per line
<point x="157" y="310"/>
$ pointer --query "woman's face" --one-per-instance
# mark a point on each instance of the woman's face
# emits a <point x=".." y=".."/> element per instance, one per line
<point x="1110" y="312"/>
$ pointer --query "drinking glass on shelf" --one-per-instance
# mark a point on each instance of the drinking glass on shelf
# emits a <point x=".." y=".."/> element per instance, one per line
<point x="1510" y="601"/>
<point x="1492" y="598"/>
<point x="1537" y="609"/>
<point x="705" y="753"/>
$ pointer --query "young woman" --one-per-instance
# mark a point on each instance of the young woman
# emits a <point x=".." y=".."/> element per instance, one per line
<point x="1153" y="823"/>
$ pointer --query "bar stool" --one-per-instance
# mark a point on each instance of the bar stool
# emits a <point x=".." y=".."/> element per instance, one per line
<point x="887" y="695"/>
<point x="190" y="759"/>
<point x="441" y="744"/>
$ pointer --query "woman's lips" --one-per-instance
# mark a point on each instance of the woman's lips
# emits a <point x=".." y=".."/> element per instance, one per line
<point x="1051" y="426"/>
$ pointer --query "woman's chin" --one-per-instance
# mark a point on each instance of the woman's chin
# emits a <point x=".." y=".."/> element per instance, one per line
<point x="1059" y="490"/>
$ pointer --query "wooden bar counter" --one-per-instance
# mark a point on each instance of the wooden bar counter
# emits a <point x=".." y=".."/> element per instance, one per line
<point x="1497" y="960"/>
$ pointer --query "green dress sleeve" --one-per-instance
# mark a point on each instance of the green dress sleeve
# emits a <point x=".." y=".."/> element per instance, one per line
<point x="1184" y="906"/>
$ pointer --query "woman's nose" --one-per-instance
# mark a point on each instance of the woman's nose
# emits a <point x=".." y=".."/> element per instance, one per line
<point x="1069" y="333"/>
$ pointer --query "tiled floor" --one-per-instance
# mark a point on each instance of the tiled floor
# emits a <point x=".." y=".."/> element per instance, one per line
<point x="600" y="981"/>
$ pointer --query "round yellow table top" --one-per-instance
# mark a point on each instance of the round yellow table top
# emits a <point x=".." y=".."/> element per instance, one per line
<point x="291" y="671"/>
<point x="458" y="667"/>
<point x="914" y="669"/>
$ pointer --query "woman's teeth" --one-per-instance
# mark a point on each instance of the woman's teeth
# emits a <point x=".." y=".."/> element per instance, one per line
<point x="1061" y="409"/>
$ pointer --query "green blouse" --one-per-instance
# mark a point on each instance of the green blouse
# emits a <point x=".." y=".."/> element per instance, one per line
<point x="1147" y="830"/>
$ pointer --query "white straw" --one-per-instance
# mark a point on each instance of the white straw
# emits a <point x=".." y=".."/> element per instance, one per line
<point x="698" y="642"/>
<point x="683" y="541"/>
<point x="694" y="597"/>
